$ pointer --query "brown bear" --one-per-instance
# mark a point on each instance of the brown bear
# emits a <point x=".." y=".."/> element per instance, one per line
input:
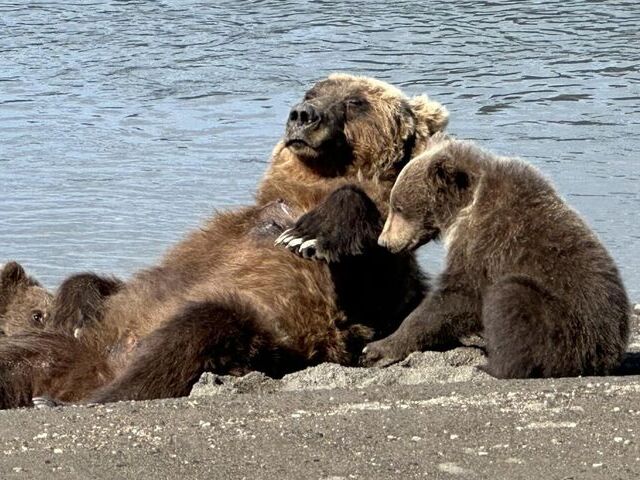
<point x="521" y="266"/>
<point x="79" y="301"/>
<point x="28" y="311"/>
<point x="226" y="299"/>
<point x="24" y="304"/>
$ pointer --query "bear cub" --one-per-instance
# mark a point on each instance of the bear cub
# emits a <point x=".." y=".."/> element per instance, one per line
<point x="24" y="304"/>
<point x="27" y="307"/>
<point x="522" y="267"/>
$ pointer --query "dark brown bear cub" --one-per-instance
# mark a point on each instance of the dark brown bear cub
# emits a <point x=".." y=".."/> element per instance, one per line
<point x="521" y="265"/>
<point x="24" y="304"/>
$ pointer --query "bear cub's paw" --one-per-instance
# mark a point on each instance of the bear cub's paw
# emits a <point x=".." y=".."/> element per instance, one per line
<point x="44" y="402"/>
<point x="382" y="353"/>
<point x="347" y="223"/>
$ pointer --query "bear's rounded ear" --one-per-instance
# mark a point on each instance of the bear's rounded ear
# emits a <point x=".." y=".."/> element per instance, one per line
<point x="450" y="175"/>
<point x="12" y="279"/>
<point x="13" y="275"/>
<point x="431" y="116"/>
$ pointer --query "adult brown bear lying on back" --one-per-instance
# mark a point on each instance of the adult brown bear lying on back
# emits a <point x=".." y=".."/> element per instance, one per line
<point x="226" y="299"/>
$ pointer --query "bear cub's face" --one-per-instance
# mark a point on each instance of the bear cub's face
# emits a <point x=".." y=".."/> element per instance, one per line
<point x="348" y="123"/>
<point x="24" y="304"/>
<point x="428" y="196"/>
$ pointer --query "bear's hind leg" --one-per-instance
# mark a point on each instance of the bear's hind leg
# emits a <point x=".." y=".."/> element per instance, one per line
<point x="528" y="331"/>
<point x="223" y="336"/>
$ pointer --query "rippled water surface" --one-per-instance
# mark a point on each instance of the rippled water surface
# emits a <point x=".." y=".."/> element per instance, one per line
<point x="125" y="123"/>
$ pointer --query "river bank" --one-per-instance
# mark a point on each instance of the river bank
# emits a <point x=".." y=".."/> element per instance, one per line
<point x="434" y="415"/>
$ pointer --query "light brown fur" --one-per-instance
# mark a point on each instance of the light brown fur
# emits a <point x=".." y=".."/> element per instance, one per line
<point x="291" y="312"/>
<point x="24" y="304"/>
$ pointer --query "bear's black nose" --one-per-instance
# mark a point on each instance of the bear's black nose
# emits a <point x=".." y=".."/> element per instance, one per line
<point x="304" y="115"/>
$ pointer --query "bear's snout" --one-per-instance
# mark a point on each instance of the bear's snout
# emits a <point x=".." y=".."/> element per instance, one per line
<point x="304" y="115"/>
<point x="397" y="234"/>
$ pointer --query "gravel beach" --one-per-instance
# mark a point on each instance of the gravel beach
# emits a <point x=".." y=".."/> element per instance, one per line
<point x="434" y="415"/>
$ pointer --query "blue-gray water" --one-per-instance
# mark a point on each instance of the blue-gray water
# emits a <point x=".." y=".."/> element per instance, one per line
<point x="125" y="123"/>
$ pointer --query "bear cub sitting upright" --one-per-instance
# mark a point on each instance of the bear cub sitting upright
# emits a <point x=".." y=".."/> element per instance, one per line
<point x="522" y="267"/>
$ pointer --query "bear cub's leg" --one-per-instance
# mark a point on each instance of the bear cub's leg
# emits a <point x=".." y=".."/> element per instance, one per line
<point x="528" y="333"/>
<point x="346" y="223"/>
<point x="443" y="317"/>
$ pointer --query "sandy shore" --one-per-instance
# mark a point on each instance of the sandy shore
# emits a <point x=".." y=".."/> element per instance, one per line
<point x="434" y="415"/>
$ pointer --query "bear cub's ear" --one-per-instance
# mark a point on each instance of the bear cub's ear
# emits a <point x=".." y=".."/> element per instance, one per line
<point x="13" y="278"/>
<point x="13" y="275"/>
<point x="450" y="175"/>
<point x="431" y="116"/>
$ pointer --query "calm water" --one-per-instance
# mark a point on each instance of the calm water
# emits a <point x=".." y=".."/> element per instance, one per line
<point x="124" y="123"/>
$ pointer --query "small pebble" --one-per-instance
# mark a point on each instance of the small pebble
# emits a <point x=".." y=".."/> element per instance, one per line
<point x="636" y="309"/>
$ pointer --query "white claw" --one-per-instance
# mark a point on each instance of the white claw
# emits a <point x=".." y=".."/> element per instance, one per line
<point x="289" y="239"/>
<point x="295" y="242"/>
<point x="365" y="349"/>
<point x="321" y="256"/>
<point x="41" y="402"/>
<point x="285" y="239"/>
<point x="308" y="243"/>
<point x="282" y="236"/>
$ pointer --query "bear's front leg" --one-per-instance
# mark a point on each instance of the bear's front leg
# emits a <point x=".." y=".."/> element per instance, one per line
<point x="438" y="323"/>
<point x="346" y="223"/>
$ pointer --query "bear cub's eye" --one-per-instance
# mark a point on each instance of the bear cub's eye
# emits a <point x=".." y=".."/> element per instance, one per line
<point x="356" y="102"/>
<point x="37" y="316"/>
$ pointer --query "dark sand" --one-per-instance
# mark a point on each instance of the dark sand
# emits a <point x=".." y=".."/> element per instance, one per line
<point x="434" y="415"/>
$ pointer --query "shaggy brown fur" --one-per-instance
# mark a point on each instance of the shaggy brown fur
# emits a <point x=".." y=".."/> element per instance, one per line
<point x="227" y="299"/>
<point x="79" y="302"/>
<point x="39" y="322"/>
<point x="24" y="304"/>
<point x="521" y="265"/>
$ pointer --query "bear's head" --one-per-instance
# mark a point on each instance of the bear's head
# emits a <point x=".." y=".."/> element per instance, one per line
<point x="348" y="125"/>
<point x="79" y="302"/>
<point x="431" y="192"/>
<point x="24" y="304"/>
